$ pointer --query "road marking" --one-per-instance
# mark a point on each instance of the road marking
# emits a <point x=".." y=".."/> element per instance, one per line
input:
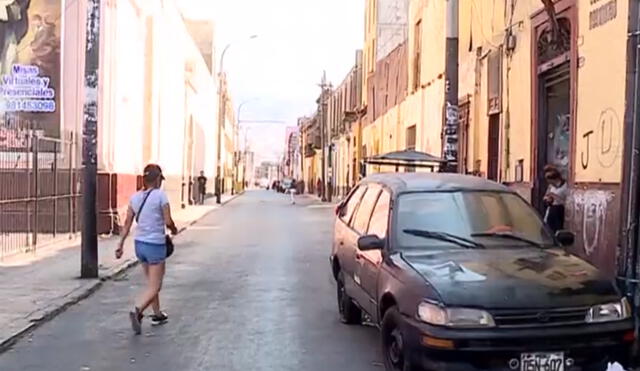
<point x="324" y="206"/>
<point x="204" y="228"/>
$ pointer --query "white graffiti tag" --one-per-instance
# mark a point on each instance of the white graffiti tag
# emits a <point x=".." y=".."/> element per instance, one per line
<point x="592" y="205"/>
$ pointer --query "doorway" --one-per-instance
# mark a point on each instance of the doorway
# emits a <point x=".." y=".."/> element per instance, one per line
<point x="553" y="127"/>
<point x="493" y="162"/>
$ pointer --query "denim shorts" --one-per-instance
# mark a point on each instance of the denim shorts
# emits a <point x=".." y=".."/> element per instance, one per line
<point x="151" y="253"/>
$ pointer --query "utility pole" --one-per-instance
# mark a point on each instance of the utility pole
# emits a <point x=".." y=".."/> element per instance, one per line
<point x="89" y="244"/>
<point x="221" y="116"/>
<point x="323" y="131"/>
<point x="450" y="144"/>
<point x="222" y="100"/>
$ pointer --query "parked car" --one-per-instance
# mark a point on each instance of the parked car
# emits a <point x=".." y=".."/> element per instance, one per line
<point x="460" y="273"/>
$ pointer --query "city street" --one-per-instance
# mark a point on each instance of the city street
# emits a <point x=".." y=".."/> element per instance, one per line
<point x="249" y="288"/>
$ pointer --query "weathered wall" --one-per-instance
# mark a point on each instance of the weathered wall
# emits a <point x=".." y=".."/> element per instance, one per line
<point x="601" y="93"/>
<point x="596" y="154"/>
<point x="392" y="20"/>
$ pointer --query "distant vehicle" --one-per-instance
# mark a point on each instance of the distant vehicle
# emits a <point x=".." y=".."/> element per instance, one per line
<point x="460" y="273"/>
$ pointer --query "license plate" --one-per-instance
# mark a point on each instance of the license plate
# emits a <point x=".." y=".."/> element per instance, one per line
<point x="542" y="362"/>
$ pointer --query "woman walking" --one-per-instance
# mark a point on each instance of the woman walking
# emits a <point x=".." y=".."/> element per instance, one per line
<point x="150" y="209"/>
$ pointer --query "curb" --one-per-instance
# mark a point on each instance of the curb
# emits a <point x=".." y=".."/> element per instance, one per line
<point x="84" y="291"/>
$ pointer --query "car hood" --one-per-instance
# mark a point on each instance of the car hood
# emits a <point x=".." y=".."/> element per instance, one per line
<point x="512" y="278"/>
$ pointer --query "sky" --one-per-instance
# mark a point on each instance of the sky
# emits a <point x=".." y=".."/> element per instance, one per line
<point x="277" y="74"/>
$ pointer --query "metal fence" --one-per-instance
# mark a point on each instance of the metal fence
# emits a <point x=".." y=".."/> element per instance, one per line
<point x="39" y="190"/>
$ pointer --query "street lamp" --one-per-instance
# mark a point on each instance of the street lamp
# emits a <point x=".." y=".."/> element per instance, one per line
<point x="221" y="116"/>
<point x="237" y="137"/>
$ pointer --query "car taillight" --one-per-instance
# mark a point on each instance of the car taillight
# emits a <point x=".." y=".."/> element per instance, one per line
<point x="629" y="336"/>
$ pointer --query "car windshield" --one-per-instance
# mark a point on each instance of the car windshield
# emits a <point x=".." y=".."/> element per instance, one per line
<point x="494" y="219"/>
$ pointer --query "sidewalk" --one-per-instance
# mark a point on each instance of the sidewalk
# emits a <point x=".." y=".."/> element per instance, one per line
<point x="36" y="287"/>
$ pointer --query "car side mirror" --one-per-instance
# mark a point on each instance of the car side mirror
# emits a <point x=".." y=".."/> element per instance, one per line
<point x="565" y="238"/>
<point x="370" y="242"/>
<point x="340" y="210"/>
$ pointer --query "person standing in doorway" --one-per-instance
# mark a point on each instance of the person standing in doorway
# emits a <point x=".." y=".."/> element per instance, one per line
<point x="150" y="209"/>
<point x="555" y="199"/>
<point x="202" y="188"/>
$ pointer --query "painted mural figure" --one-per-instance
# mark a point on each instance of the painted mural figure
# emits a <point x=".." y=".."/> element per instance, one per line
<point x="14" y="24"/>
<point x="45" y="46"/>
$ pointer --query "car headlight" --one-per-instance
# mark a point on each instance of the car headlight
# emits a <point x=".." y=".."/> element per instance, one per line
<point x="609" y="312"/>
<point x="434" y="314"/>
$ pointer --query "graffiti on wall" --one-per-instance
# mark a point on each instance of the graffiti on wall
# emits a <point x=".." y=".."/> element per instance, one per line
<point x="607" y="141"/>
<point x="608" y="138"/>
<point x="588" y="210"/>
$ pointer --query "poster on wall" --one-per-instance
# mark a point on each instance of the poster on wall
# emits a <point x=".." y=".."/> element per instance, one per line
<point x="30" y="70"/>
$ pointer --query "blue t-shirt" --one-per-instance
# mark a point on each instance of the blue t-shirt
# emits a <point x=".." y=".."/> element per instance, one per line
<point x="151" y="224"/>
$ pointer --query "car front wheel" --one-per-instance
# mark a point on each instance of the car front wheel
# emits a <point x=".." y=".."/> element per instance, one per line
<point x="349" y="312"/>
<point x="393" y="343"/>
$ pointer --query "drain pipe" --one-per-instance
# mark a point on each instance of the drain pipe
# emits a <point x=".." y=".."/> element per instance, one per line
<point x="630" y="235"/>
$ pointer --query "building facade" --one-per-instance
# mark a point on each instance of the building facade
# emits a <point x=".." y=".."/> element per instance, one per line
<point x="540" y="83"/>
<point x="159" y="107"/>
<point x="292" y="160"/>
<point x="344" y="108"/>
<point x="529" y="97"/>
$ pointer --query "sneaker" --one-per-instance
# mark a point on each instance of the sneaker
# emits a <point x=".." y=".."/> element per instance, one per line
<point x="159" y="319"/>
<point x="136" y="321"/>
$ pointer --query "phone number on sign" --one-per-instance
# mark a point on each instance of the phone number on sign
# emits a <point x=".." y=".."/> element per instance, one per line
<point x="30" y="105"/>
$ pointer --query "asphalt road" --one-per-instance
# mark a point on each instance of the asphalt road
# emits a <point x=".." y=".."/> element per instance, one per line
<point x="249" y="288"/>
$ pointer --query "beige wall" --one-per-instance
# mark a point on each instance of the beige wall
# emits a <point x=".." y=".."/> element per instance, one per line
<point x="156" y="103"/>
<point x="73" y="52"/>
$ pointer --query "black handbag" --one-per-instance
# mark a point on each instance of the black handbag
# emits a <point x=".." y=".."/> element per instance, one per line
<point x="168" y="242"/>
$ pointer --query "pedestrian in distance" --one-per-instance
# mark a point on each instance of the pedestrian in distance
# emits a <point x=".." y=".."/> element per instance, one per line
<point x="555" y="199"/>
<point x="202" y="188"/>
<point x="150" y="209"/>
<point x="293" y="191"/>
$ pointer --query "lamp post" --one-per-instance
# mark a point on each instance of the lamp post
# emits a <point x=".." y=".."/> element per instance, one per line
<point x="222" y="100"/>
<point x="244" y="149"/>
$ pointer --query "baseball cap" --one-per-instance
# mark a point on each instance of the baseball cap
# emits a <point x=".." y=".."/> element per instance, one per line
<point x="152" y="172"/>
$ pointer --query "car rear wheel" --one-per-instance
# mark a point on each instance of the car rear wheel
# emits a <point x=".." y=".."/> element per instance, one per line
<point x="394" y="350"/>
<point x="349" y="312"/>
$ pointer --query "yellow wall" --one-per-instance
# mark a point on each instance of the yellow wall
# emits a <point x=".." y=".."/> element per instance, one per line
<point x="369" y="51"/>
<point x="425" y="104"/>
<point x="482" y="25"/>
<point x="601" y="96"/>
